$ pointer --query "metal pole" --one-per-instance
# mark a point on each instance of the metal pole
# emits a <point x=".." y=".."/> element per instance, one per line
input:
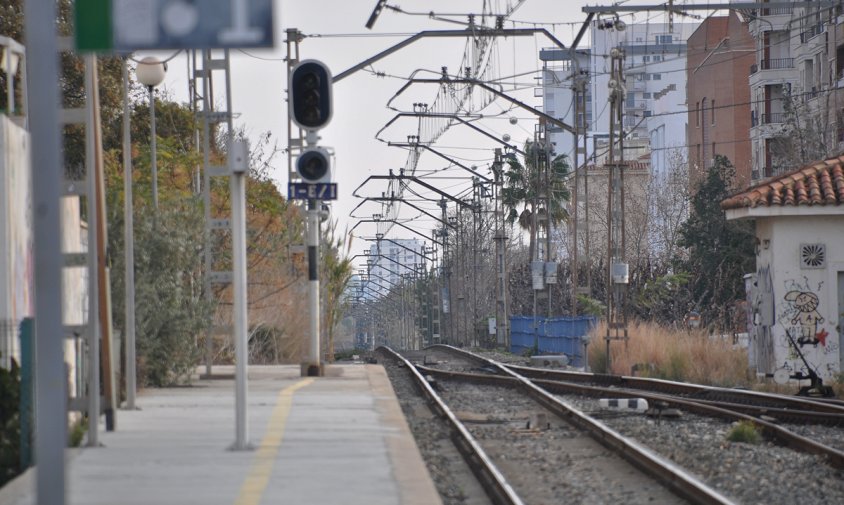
<point x="313" y="367"/>
<point x="207" y="107"/>
<point x="129" y="246"/>
<point x="238" y="192"/>
<point x="10" y="83"/>
<point x="94" y="329"/>
<point x="153" y="160"/>
<point x="47" y="167"/>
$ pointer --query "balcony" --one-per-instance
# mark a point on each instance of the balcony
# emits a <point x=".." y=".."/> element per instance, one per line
<point x="773" y="118"/>
<point x="772" y="64"/>
<point x="812" y="32"/>
<point x="776" y="63"/>
<point x="770" y="19"/>
<point x="776" y="11"/>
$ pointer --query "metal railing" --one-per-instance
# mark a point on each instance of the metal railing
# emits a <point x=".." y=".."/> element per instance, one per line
<point x="776" y="63"/>
<point x="813" y="31"/>
<point x="773" y="118"/>
<point x="776" y="11"/>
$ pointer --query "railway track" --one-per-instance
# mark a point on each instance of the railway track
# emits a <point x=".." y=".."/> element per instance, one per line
<point x="550" y="451"/>
<point x="799" y="448"/>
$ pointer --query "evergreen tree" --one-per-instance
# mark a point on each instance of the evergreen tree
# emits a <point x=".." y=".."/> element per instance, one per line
<point x="720" y="251"/>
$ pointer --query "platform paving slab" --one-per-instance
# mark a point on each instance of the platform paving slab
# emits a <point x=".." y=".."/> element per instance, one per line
<point x="341" y="438"/>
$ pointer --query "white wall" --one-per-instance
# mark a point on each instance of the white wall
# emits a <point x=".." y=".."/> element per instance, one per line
<point x="16" y="267"/>
<point x="795" y="291"/>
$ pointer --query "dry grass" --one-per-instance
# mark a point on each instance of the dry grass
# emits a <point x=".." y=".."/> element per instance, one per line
<point x="667" y="353"/>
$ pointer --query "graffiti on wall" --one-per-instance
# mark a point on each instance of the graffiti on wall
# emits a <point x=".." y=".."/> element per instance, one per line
<point x="802" y="318"/>
<point x="807" y="318"/>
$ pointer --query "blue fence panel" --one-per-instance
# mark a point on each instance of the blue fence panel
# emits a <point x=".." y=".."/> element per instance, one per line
<point x="558" y="335"/>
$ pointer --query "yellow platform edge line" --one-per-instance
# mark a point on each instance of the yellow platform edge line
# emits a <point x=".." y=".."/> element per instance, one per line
<point x="259" y="475"/>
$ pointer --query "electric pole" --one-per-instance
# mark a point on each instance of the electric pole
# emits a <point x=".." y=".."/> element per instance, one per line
<point x="617" y="269"/>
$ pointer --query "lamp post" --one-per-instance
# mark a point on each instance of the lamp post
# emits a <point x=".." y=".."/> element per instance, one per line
<point x="150" y="72"/>
<point x="129" y="247"/>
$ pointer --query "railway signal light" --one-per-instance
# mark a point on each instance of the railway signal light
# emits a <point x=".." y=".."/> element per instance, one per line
<point x="314" y="165"/>
<point x="310" y="95"/>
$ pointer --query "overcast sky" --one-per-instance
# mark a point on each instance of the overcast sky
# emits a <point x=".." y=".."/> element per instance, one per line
<point x="336" y="34"/>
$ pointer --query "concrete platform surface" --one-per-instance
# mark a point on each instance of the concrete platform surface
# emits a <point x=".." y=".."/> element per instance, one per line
<point x="329" y="440"/>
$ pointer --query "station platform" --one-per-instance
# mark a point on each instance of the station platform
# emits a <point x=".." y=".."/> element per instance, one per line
<point x="336" y="439"/>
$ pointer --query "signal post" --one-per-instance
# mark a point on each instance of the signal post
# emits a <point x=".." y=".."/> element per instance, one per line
<point x="311" y="108"/>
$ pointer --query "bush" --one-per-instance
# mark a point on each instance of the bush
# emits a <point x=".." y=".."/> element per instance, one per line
<point x="171" y="311"/>
<point x="10" y="428"/>
<point x="744" y="432"/>
<point x="681" y="355"/>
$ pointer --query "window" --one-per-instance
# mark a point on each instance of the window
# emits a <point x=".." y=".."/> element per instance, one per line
<point x="664" y="39"/>
<point x="646" y="59"/>
<point x="657" y="57"/>
<point x="713" y="114"/>
<point x="646" y="95"/>
<point x="657" y="77"/>
<point x="647" y="113"/>
<point x="839" y="62"/>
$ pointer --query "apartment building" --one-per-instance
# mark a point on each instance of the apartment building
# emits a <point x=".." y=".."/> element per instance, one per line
<point x="655" y="77"/>
<point x="720" y="53"/>
<point x="796" y="114"/>
<point x="390" y="260"/>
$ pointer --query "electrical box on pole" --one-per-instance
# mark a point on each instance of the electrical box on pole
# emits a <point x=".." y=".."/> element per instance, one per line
<point x="310" y="95"/>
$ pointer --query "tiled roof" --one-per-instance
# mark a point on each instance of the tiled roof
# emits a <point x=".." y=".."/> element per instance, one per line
<point x="821" y="183"/>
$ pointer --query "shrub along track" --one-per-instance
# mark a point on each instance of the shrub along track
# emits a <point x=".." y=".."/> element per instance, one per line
<point x="697" y="441"/>
<point x="552" y="453"/>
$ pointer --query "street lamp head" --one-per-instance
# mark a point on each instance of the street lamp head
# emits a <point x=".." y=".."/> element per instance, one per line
<point x="150" y="71"/>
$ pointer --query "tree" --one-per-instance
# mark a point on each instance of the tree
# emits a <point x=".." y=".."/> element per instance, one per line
<point x="720" y="251"/>
<point x="336" y="273"/>
<point x="808" y="132"/>
<point x="525" y="190"/>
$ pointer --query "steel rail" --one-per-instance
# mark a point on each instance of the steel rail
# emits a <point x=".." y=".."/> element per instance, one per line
<point x="782" y="436"/>
<point x="698" y="391"/>
<point x="496" y="486"/>
<point x="772" y="431"/>
<point x="674" y="477"/>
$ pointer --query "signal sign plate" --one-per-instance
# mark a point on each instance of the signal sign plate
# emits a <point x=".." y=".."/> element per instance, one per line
<point x="316" y="191"/>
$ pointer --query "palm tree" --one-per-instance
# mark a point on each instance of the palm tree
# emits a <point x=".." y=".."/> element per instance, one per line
<point x="525" y="189"/>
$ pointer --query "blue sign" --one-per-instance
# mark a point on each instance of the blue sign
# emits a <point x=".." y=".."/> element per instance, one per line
<point x="174" y="24"/>
<point x="312" y="191"/>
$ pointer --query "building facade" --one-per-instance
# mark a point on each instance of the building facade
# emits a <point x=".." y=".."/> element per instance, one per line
<point x="795" y="87"/>
<point x="720" y="54"/>
<point x="655" y="77"/>
<point x="796" y="294"/>
<point x="391" y="259"/>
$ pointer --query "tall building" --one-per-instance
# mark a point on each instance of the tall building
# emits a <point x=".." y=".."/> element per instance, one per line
<point x="720" y="54"/>
<point x="391" y="259"/>
<point x="655" y="105"/>
<point x="795" y="85"/>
